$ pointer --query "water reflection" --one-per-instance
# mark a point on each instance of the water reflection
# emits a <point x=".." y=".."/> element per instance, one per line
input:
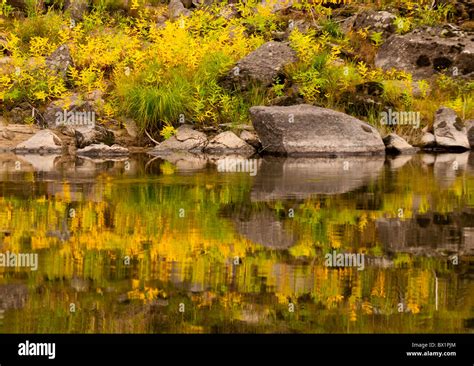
<point x="132" y="241"/>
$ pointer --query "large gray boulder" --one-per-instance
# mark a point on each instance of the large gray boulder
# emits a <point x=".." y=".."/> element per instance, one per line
<point x="449" y="130"/>
<point x="185" y="139"/>
<point x="229" y="143"/>
<point x="43" y="142"/>
<point x="260" y="67"/>
<point x="308" y="130"/>
<point x="425" y="51"/>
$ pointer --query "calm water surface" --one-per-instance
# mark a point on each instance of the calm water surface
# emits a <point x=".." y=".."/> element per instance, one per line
<point x="176" y="246"/>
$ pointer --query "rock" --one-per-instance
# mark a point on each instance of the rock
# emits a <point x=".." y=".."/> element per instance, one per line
<point x="185" y="139"/>
<point x="366" y="99"/>
<point x="308" y="130"/>
<point x="462" y="9"/>
<point x="77" y="8"/>
<point x="131" y="127"/>
<point x="20" y="114"/>
<point x="251" y="138"/>
<point x="102" y="150"/>
<point x="44" y="141"/>
<point x="397" y="145"/>
<point x="13" y="134"/>
<point x="228" y="143"/>
<point x="449" y="130"/>
<point x="60" y="60"/>
<point x="470" y="131"/>
<point x="261" y="66"/>
<point x="7" y="135"/>
<point x="87" y="136"/>
<point x="72" y="111"/>
<point x="176" y="9"/>
<point x="229" y="12"/>
<point x="423" y="52"/>
<point x="375" y="21"/>
<point x="428" y="140"/>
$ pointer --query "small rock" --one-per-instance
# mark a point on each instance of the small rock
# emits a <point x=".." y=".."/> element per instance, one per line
<point x="251" y="138"/>
<point x="72" y="111"/>
<point x="176" y="9"/>
<point x="375" y="21"/>
<point x="449" y="130"/>
<point x="470" y="131"/>
<point x="228" y="143"/>
<point x="8" y="135"/>
<point x="397" y="145"/>
<point x="102" y="150"/>
<point x="60" y="60"/>
<point x="428" y="140"/>
<point x="87" y="136"/>
<point x="44" y="141"/>
<point x="185" y="139"/>
<point x="77" y="8"/>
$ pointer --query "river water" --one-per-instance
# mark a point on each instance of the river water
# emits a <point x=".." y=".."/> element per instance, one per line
<point x="145" y="245"/>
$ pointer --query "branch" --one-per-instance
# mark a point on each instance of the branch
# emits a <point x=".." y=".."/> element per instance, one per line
<point x="151" y="138"/>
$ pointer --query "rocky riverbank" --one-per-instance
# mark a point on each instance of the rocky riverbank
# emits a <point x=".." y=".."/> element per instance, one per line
<point x="353" y="81"/>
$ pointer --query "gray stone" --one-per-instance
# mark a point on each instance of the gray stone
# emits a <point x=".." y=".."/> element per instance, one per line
<point x="375" y="21"/>
<point x="428" y="140"/>
<point x="261" y="66"/>
<point x="449" y="130"/>
<point x="228" y="143"/>
<point x="308" y="130"/>
<point x="470" y="131"/>
<point x="60" y="60"/>
<point x="77" y="8"/>
<point x="176" y="9"/>
<point x="72" y="111"/>
<point x="44" y="141"/>
<point x="185" y="139"/>
<point x="86" y="136"/>
<point x="102" y="150"/>
<point x="251" y="138"/>
<point x="423" y="52"/>
<point x="397" y="145"/>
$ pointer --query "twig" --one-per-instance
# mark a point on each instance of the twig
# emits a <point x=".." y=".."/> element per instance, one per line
<point x="151" y="138"/>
